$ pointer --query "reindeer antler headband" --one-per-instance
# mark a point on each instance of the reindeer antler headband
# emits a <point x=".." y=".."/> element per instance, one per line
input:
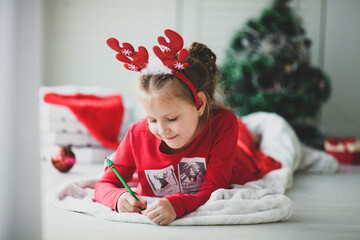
<point x="139" y="60"/>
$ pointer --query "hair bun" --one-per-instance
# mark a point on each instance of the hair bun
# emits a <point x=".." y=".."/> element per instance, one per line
<point x="202" y="53"/>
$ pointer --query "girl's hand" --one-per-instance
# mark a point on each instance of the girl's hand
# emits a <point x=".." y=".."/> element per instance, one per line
<point x="161" y="212"/>
<point x="127" y="203"/>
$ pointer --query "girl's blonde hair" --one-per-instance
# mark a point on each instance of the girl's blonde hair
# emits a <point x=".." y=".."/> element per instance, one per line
<point x="202" y="72"/>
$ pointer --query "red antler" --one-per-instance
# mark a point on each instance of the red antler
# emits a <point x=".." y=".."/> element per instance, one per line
<point x="167" y="54"/>
<point x="139" y="59"/>
<point x="168" y="50"/>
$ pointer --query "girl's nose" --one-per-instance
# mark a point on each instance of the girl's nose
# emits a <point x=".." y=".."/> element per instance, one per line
<point x="163" y="129"/>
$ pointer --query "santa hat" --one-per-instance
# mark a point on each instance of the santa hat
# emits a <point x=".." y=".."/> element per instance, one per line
<point x="102" y="116"/>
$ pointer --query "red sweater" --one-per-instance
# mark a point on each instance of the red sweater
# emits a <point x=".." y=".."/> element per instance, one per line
<point x="186" y="179"/>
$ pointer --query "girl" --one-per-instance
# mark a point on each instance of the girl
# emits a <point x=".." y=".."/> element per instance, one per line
<point x="188" y="145"/>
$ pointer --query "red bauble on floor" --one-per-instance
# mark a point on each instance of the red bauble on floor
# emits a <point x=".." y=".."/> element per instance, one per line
<point x="63" y="159"/>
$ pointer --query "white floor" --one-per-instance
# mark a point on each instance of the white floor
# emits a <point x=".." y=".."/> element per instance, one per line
<point x="325" y="207"/>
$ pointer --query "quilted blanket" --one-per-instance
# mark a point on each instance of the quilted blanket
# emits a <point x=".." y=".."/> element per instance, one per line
<point x="260" y="201"/>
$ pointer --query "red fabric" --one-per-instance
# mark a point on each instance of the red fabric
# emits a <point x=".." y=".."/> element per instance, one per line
<point x="346" y="157"/>
<point x="251" y="163"/>
<point x="139" y="151"/>
<point x="102" y="116"/>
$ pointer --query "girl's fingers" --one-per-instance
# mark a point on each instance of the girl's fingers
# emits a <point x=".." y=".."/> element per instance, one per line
<point x="158" y="219"/>
<point x="165" y="222"/>
<point x="159" y="214"/>
<point x="135" y="206"/>
<point x="140" y="204"/>
<point x="130" y="204"/>
<point x="152" y="214"/>
<point x="149" y="209"/>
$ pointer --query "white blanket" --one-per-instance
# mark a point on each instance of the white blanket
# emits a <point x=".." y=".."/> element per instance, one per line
<point x="260" y="201"/>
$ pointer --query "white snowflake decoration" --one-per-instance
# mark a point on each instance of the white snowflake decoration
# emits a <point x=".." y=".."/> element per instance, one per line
<point x="165" y="48"/>
<point x="126" y="52"/>
<point x="132" y="67"/>
<point x="179" y="65"/>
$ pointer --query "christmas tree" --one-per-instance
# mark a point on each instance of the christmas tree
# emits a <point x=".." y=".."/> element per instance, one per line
<point x="267" y="67"/>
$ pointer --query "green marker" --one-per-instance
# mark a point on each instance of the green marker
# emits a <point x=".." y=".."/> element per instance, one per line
<point x="110" y="164"/>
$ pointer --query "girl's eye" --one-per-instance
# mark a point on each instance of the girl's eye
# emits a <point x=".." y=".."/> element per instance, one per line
<point x="152" y="121"/>
<point x="172" y="119"/>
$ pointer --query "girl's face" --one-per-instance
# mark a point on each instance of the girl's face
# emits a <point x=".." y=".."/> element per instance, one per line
<point x="172" y="120"/>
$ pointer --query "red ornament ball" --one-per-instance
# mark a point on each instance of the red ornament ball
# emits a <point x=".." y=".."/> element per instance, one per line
<point x="63" y="159"/>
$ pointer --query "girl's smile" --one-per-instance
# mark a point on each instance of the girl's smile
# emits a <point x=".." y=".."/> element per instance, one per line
<point x="171" y="138"/>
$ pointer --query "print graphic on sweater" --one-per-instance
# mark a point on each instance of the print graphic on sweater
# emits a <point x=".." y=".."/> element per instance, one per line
<point x="191" y="172"/>
<point x="163" y="181"/>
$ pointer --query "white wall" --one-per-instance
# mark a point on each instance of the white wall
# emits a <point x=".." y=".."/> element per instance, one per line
<point x="20" y="74"/>
<point x="341" y="115"/>
<point x="76" y="34"/>
<point x="76" y="31"/>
